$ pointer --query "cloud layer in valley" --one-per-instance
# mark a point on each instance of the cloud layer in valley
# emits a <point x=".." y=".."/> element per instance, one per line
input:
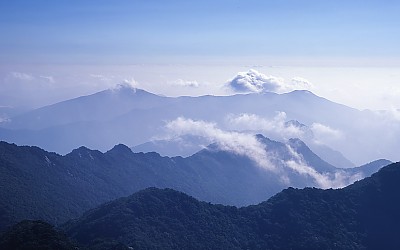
<point x="240" y="143"/>
<point x="276" y="126"/>
<point x="279" y="127"/>
<point x="247" y="144"/>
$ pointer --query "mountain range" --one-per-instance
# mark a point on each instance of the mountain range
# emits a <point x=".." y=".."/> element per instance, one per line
<point x="36" y="184"/>
<point x="363" y="215"/>
<point x="133" y="116"/>
<point x="217" y="157"/>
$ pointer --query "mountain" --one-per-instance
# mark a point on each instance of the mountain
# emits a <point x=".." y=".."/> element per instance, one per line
<point x="31" y="235"/>
<point x="101" y="106"/>
<point x="184" y="146"/>
<point x="133" y="117"/>
<point x="39" y="185"/>
<point x="363" y="215"/>
<point x="328" y="154"/>
<point x="371" y="167"/>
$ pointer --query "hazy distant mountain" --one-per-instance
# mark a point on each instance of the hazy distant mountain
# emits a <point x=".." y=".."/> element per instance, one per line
<point x="361" y="216"/>
<point x="40" y="185"/>
<point x="133" y="117"/>
<point x="328" y="154"/>
<point x="6" y="112"/>
<point x="180" y="146"/>
<point x="101" y="106"/>
<point x="370" y="168"/>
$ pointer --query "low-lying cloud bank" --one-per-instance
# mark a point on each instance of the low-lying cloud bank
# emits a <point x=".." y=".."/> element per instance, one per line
<point x="276" y="125"/>
<point x="246" y="144"/>
<point x="281" y="128"/>
<point x="337" y="179"/>
<point x="239" y="143"/>
<point x="253" y="81"/>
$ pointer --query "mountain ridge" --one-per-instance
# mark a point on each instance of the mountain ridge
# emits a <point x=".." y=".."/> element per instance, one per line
<point x="42" y="185"/>
<point x="363" y="215"/>
<point x="101" y="121"/>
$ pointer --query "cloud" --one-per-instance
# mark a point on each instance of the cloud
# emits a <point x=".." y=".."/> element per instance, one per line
<point x="22" y="76"/>
<point x="239" y="143"/>
<point x="127" y="83"/>
<point x="277" y="126"/>
<point x="253" y="81"/>
<point x="256" y="82"/>
<point x="337" y="179"/>
<point x="300" y="84"/>
<point x="325" y="134"/>
<point x="248" y="145"/>
<point x="184" y="83"/>
<point x="101" y="77"/>
<point x="25" y="78"/>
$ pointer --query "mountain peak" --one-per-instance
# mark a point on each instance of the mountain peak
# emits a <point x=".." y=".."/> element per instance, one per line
<point x="120" y="148"/>
<point x="302" y="91"/>
<point x="85" y="152"/>
<point x="81" y="149"/>
<point x="297" y="142"/>
<point x="294" y="123"/>
<point x="126" y="85"/>
<point x="127" y="90"/>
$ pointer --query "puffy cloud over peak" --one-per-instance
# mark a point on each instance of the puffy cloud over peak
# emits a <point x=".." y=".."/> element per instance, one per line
<point x="253" y="81"/>
<point x="127" y="83"/>
<point x="256" y="82"/>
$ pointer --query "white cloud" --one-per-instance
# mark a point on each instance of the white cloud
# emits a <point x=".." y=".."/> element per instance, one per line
<point x="338" y="179"/>
<point x="127" y="83"/>
<point x="22" y="76"/>
<point x="300" y="83"/>
<point x="279" y="128"/>
<point x="239" y="143"/>
<point x="248" y="145"/>
<point x="253" y="81"/>
<point x="324" y="134"/>
<point x="184" y="83"/>
<point x="101" y="77"/>
<point x="277" y="125"/>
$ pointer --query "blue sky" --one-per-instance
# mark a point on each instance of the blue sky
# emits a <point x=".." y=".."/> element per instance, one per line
<point x="178" y="31"/>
